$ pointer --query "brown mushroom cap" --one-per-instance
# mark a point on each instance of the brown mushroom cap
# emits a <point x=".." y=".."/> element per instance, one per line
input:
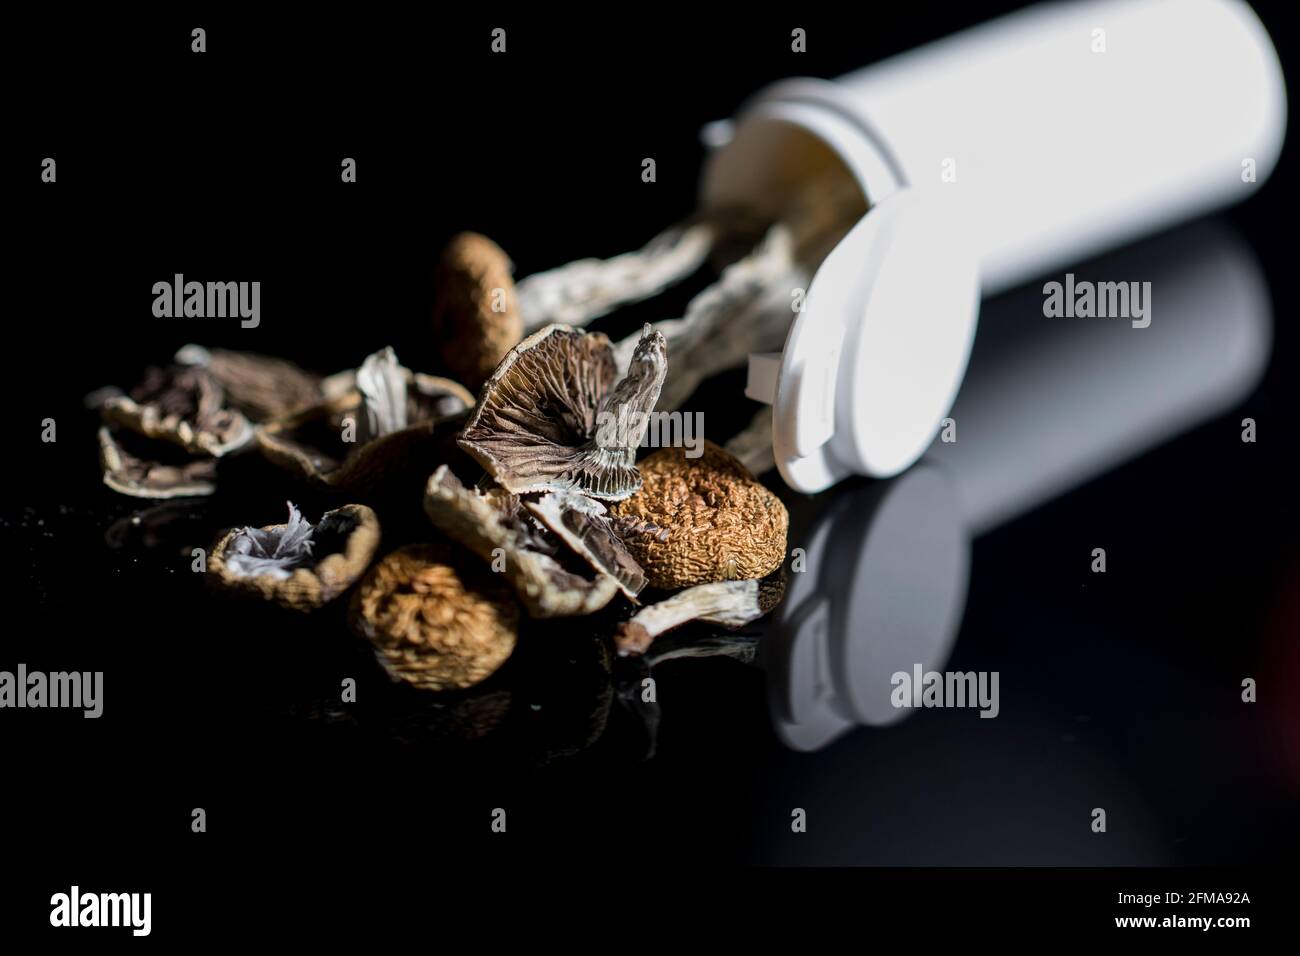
<point x="345" y="542"/>
<point x="476" y="314"/>
<point x="261" y="386"/>
<point x="551" y="418"/>
<point x="183" y="405"/>
<point x="310" y="443"/>
<point x="486" y="522"/>
<point x="435" y="621"/>
<point x="584" y="525"/>
<point x="130" y="474"/>
<point x="720" y="523"/>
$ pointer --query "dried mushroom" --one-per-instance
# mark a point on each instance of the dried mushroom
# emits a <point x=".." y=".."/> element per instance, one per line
<point x="728" y="603"/>
<point x="584" y="525"/>
<point x="552" y="419"/>
<point x="129" y="473"/>
<point x="484" y="521"/>
<point x="383" y="423"/>
<point x="434" y="621"/>
<point x="297" y="565"/>
<point x="476" y="314"/>
<point x="722" y="524"/>
<point x="183" y="405"/>
<point x="260" y="386"/>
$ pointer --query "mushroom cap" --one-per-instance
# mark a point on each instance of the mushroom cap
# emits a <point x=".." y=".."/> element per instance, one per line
<point x="129" y="474"/>
<point x="584" y="525"/>
<point x="263" y="387"/>
<point x="183" y="405"/>
<point x="476" y="316"/>
<point x="309" y="443"/>
<point x="310" y="587"/>
<point x="435" y="621"/>
<point x="552" y="419"/>
<point x="485" y="522"/>
<point x="703" y="519"/>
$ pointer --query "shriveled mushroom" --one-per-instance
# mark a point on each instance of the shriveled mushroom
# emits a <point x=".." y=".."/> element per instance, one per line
<point x="176" y="476"/>
<point x="183" y="405"/>
<point x="435" y="621"/>
<point x="260" y="386"/>
<point x="722" y="524"/>
<point x="551" y="418"/>
<point x="297" y="565"/>
<point x="476" y="316"/>
<point x="585" y="526"/>
<point x="728" y="603"/>
<point x="487" y="521"/>
<point x="389" y="420"/>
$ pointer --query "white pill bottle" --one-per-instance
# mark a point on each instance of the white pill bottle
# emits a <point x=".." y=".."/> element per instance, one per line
<point x="985" y="160"/>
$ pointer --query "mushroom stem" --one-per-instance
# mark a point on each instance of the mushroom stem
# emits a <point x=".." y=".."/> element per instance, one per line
<point x="586" y="289"/>
<point x="729" y="603"/>
<point x="753" y="445"/>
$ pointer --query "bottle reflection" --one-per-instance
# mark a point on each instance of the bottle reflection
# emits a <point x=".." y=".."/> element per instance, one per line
<point x="1047" y="404"/>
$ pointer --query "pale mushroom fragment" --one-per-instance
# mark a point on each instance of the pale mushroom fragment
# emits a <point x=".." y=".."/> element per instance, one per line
<point x="261" y="386"/>
<point x="552" y="419"/>
<point x="585" y="526"/>
<point x="434" y="621"/>
<point x="131" y="474"/>
<point x="297" y="565"/>
<point x="494" y="526"/>
<point x="183" y="405"/>
<point x="730" y="604"/>
<point x="722" y="524"/>
<point x="476" y="317"/>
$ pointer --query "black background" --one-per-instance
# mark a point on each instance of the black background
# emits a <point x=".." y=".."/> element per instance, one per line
<point x="226" y="165"/>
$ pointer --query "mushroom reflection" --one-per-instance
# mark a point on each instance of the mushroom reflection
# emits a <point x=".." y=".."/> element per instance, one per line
<point x="1047" y="405"/>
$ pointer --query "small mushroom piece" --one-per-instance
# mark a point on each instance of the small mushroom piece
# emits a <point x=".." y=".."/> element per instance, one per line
<point x="494" y="526"/>
<point x="476" y="315"/>
<point x="551" y="418"/>
<point x="585" y="526"/>
<point x="435" y="622"/>
<point x="722" y="524"/>
<point x="297" y="565"/>
<point x="260" y="386"/>
<point x="183" y="405"/>
<point x="728" y="603"/>
<point x="389" y="419"/>
<point x="130" y="474"/>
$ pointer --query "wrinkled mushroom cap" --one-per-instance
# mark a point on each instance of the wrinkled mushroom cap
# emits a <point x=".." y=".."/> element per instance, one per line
<point x="476" y="315"/>
<point x="552" y="419"/>
<point x="703" y="519"/>
<point x="484" y="522"/>
<point x="343" y="543"/>
<point x="434" y="621"/>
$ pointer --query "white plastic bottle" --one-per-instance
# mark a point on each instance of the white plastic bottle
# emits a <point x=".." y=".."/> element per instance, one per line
<point x="985" y="160"/>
